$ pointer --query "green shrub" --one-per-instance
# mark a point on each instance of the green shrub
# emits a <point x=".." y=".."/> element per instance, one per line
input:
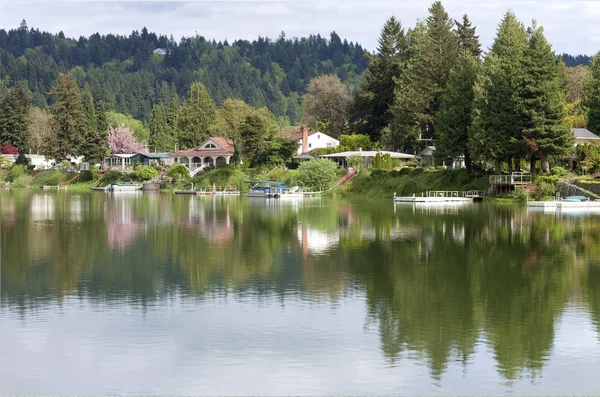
<point x="22" y="159"/>
<point x="111" y="176"/>
<point x="418" y="171"/>
<point x="86" y="176"/>
<point x="518" y="195"/>
<point x="4" y="162"/>
<point x="316" y="174"/>
<point x="30" y="167"/>
<point x="405" y="171"/>
<point x="178" y="171"/>
<point x="395" y="174"/>
<point x="378" y="173"/>
<point x="94" y="172"/>
<point x="21" y="181"/>
<point x="16" y="171"/>
<point x="65" y="164"/>
<point x="145" y="173"/>
<point x="559" y="171"/>
<point x="546" y="191"/>
<point x="547" y="179"/>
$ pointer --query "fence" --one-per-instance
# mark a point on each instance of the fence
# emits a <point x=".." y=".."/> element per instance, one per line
<point x="514" y="178"/>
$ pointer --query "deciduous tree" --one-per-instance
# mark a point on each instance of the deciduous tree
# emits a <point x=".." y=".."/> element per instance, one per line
<point x="121" y="140"/>
<point x="40" y="129"/>
<point x="325" y="105"/>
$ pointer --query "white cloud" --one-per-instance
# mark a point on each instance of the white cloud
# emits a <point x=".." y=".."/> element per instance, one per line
<point x="571" y="26"/>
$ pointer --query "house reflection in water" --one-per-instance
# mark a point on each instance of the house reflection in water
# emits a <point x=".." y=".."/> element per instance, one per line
<point x="122" y="224"/>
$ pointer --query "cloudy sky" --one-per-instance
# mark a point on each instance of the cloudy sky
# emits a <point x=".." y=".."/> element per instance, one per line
<point x="571" y="25"/>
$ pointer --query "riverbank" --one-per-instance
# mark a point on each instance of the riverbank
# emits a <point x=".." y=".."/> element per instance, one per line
<point x="406" y="182"/>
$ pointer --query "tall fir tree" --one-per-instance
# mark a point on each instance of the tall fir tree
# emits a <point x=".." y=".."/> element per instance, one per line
<point x="196" y="114"/>
<point x="68" y="119"/>
<point x="591" y="95"/>
<point x="101" y="142"/>
<point x="418" y="95"/>
<point x="498" y="125"/>
<point x="161" y="135"/>
<point x="467" y="39"/>
<point x="90" y="129"/>
<point x="370" y="111"/>
<point x="546" y="132"/>
<point x="453" y="121"/>
<point x="14" y="114"/>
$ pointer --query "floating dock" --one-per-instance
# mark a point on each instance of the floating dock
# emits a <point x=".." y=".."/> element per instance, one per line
<point x="559" y="205"/>
<point x="439" y="197"/>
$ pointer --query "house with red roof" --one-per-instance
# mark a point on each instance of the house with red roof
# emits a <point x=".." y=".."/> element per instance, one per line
<point x="213" y="152"/>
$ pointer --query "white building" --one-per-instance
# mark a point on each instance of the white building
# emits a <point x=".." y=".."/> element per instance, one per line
<point x="313" y="140"/>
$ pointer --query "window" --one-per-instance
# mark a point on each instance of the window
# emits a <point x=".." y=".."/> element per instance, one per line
<point x="210" y="146"/>
<point x="318" y="136"/>
<point x="329" y="145"/>
<point x="310" y="145"/>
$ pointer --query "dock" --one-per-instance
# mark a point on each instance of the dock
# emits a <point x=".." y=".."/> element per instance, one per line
<point x="560" y="205"/>
<point x="443" y="197"/>
<point x="211" y="191"/>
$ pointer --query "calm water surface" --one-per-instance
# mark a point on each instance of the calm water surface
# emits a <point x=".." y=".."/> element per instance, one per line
<point x="161" y="294"/>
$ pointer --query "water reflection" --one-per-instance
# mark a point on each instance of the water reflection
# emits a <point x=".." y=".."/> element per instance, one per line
<point x="440" y="286"/>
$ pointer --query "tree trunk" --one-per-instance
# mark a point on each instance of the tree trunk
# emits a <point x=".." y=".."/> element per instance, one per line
<point x="517" y="165"/>
<point x="532" y="166"/>
<point x="468" y="164"/>
<point x="498" y="166"/>
<point x="510" y="165"/>
<point x="546" y="164"/>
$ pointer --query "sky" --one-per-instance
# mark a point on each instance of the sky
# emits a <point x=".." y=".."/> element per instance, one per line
<point x="570" y="25"/>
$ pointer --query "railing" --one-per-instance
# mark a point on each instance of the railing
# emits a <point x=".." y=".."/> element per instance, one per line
<point x="446" y="193"/>
<point x="475" y="193"/>
<point x="515" y="177"/>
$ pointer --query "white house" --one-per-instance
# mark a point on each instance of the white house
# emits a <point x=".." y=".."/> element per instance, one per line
<point x="313" y="140"/>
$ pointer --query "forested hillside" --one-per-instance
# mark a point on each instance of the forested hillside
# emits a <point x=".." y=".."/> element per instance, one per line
<point x="127" y="75"/>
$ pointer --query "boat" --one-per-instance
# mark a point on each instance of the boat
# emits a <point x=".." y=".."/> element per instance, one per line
<point x="265" y="189"/>
<point x="124" y="187"/>
<point x="294" y="192"/>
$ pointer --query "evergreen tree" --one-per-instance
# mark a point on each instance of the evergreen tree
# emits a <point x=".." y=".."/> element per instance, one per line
<point x="172" y="120"/>
<point x="90" y="126"/>
<point x="196" y="114"/>
<point x="455" y="117"/>
<point x="467" y="39"/>
<point x="101" y="142"/>
<point x="68" y="119"/>
<point x="591" y="95"/>
<point x="419" y="94"/>
<point x="14" y="117"/>
<point x="161" y="136"/>
<point x="254" y="135"/>
<point x="370" y="113"/>
<point x="546" y="132"/>
<point x="498" y="124"/>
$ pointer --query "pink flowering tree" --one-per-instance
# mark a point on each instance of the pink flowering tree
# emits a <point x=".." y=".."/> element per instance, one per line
<point x="121" y="140"/>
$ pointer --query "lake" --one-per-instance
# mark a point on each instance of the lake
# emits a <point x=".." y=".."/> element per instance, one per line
<point x="163" y="294"/>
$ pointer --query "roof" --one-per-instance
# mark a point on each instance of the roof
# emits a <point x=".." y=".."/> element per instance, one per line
<point x="298" y="135"/>
<point x="584" y="133"/>
<point x="225" y="148"/>
<point x="370" y="153"/>
<point x="427" y="148"/>
<point x="304" y="156"/>
<point x="155" y="155"/>
<point x="124" y="155"/>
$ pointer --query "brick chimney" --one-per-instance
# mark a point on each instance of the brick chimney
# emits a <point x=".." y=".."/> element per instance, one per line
<point x="304" y="131"/>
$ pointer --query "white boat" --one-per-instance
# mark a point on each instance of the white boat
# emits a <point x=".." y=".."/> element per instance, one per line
<point x="124" y="187"/>
<point x="294" y="192"/>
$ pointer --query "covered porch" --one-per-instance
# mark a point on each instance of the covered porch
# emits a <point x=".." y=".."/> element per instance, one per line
<point x="202" y="161"/>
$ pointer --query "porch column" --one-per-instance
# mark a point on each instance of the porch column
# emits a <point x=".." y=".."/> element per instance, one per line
<point x="227" y="159"/>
